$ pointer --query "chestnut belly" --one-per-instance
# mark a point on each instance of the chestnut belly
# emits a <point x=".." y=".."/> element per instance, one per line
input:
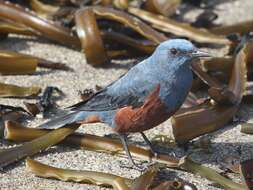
<point x="140" y="119"/>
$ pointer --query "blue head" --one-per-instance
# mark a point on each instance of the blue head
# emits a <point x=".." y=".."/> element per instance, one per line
<point x="176" y="52"/>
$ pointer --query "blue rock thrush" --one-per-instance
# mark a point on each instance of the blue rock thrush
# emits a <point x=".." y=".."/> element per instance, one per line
<point x="147" y="95"/>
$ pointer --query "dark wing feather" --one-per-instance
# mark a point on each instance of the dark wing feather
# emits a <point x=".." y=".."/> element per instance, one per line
<point x="103" y="102"/>
<point x="130" y="90"/>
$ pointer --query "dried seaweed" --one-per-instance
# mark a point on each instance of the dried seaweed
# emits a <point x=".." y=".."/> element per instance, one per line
<point x="9" y="27"/>
<point x="17" y="14"/>
<point x="217" y="91"/>
<point x="53" y="65"/>
<point x="91" y="177"/>
<point x="165" y="8"/>
<point x="10" y="155"/>
<point x="90" y="37"/>
<point x="210" y="174"/>
<point x="242" y="27"/>
<point x="247" y="128"/>
<point x="43" y="10"/>
<point x="222" y="64"/>
<point x="181" y="29"/>
<point x="145" y="180"/>
<point x="17" y="63"/>
<point x="204" y="118"/>
<point x="140" y="45"/>
<point x="130" y="21"/>
<point x="10" y="90"/>
<point x="190" y="101"/>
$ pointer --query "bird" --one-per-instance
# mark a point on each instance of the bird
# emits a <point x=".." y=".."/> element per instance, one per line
<point x="144" y="97"/>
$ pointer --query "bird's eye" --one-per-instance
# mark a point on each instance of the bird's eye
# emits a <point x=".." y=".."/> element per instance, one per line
<point x="173" y="51"/>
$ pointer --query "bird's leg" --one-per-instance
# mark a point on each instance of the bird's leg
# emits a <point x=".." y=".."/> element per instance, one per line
<point x="123" y="139"/>
<point x="149" y="144"/>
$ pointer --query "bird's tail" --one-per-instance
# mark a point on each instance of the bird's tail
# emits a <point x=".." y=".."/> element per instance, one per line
<point x="77" y="116"/>
<point x="63" y="120"/>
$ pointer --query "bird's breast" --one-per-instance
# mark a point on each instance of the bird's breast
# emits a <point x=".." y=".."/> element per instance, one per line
<point x="175" y="89"/>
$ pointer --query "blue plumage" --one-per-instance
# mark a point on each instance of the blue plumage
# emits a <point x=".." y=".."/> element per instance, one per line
<point x="167" y="68"/>
<point x="171" y="71"/>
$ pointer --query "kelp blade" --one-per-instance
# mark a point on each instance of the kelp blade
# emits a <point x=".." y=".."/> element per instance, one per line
<point x="198" y="120"/>
<point x="210" y="174"/>
<point x="88" y="32"/>
<point x="223" y="64"/>
<point x="185" y="30"/>
<point x="242" y="28"/>
<point x="130" y="21"/>
<point x="17" y="65"/>
<point x="36" y="61"/>
<point x="9" y="27"/>
<point x="10" y="90"/>
<point x="145" y="180"/>
<point x="96" y="178"/>
<point x="42" y="9"/>
<point x="10" y="155"/>
<point x="247" y="128"/>
<point x="162" y="7"/>
<point x="42" y="27"/>
<point x="217" y="91"/>
<point x="134" y="44"/>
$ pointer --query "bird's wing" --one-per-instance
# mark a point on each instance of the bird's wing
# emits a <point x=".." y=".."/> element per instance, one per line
<point x="130" y="90"/>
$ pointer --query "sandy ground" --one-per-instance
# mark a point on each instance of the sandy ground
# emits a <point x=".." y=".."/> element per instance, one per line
<point x="226" y="142"/>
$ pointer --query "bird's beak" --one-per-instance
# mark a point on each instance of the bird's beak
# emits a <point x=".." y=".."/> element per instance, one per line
<point x="199" y="53"/>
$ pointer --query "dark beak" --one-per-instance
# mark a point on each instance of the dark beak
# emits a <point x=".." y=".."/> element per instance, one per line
<point x="199" y="53"/>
